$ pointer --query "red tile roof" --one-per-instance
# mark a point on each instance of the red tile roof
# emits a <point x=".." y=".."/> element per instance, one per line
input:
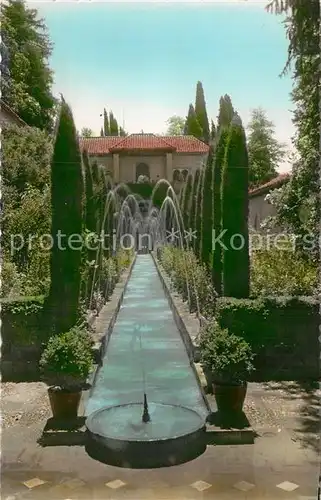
<point x="272" y="184"/>
<point x="108" y="145"/>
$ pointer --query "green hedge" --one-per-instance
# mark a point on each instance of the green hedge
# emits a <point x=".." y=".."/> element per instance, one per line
<point x="23" y="325"/>
<point x="283" y="332"/>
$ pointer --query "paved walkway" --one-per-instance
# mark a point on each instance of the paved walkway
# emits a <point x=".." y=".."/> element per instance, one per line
<point x="145" y="314"/>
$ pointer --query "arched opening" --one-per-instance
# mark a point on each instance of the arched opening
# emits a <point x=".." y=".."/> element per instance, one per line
<point x="184" y="174"/>
<point x="176" y="175"/>
<point x="142" y="169"/>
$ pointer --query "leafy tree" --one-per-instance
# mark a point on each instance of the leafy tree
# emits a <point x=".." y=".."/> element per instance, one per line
<point x="106" y="123"/>
<point x="198" y="214"/>
<point x="176" y="125"/>
<point x="265" y="151"/>
<point x="86" y="132"/>
<point x="28" y="91"/>
<point x="235" y="214"/>
<point x="113" y="124"/>
<point x="192" y="126"/>
<point x="26" y="155"/>
<point x="102" y="132"/>
<point x="26" y="160"/>
<point x="201" y="113"/>
<point x="207" y="212"/>
<point x="226" y="112"/>
<point x="191" y="220"/>
<point x="301" y="194"/>
<point x="217" y="264"/>
<point x="67" y="211"/>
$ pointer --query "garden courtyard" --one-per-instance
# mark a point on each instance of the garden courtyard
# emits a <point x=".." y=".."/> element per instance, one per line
<point x="160" y="298"/>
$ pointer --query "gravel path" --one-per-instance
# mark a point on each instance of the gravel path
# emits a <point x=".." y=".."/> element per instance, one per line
<point x="24" y="403"/>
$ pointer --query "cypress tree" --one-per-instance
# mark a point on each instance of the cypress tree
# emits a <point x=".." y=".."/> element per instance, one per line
<point x="235" y="213"/>
<point x="90" y="206"/>
<point x="201" y="113"/>
<point x="106" y="124"/>
<point x="113" y="125"/>
<point x="90" y="219"/>
<point x="198" y="214"/>
<point x="122" y="132"/>
<point x="191" y="220"/>
<point x="102" y="132"/>
<point x="226" y="112"/>
<point x="213" y="132"/>
<point x="67" y="219"/>
<point x="186" y="204"/>
<point x="192" y="124"/>
<point x="217" y="265"/>
<point x="207" y="212"/>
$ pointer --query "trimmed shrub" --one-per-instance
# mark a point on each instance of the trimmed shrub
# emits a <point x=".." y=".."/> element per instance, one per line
<point x="226" y="356"/>
<point x="23" y="323"/>
<point x="67" y="358"/>
<point x="283" y="332"/>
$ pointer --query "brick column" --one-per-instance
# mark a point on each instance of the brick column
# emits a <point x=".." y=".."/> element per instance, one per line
<point x="116" y="168"/>
<point x="169" y="167"/>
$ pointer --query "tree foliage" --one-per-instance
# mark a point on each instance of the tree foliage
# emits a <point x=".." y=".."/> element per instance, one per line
<point x="106" y="129"/>
<point x="235" y="214"/>
<point x="28" y="48"/>
<point x="201" y="113"/>
<point x="176" y="125"/>
<point x="191" y="219"/>
<point x="301" y="194"/>
<point x="192" y="125"/>
<point x="226" y="112"/>
<point x="207" y="212"/>
<point x="265" y="151"/>
<point x="187" y="200"/>
<point x="86" y="132"/>
<point x="67" y="219"/>
<point x="217" y="256"/>
<point x="113" y="125"/>
<point x="198" y="214"/>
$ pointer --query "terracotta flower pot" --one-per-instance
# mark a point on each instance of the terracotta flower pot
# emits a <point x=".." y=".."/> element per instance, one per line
<point x="64" y="404"/>
<point x="229" y="398"/>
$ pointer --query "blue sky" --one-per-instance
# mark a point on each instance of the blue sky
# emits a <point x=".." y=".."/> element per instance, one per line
<point x="142" y="60"/>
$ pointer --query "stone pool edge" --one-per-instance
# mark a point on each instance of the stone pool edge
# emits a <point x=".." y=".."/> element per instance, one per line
<point x="188" y="326"/>
<point x="103" y="327"/>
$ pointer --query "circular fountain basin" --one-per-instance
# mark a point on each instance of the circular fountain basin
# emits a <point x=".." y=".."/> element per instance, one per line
<point x="117" y="435"/>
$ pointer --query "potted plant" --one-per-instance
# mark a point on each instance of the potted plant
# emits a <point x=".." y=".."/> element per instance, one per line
<point x="65" y="364"/>
<point x="228" y="358"/>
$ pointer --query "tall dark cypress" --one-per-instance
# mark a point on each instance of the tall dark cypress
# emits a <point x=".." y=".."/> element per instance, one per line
<point x="106" y="123"/>
<point x="113" y="125"/>
<point x="226" y="112"/>
<point x="201" y="113"/>
<point x="191" y="219"/>
<point x="213" y="132"/>
<point x="207" y="212"/>
<point x="67" y="219"/>
<point x="217" y="255"/>
<point x="102" y="132"/>
<point x="198" y="214"/>
<point x="186" y="204"/>
<point x="235" y="203"/>
<point x="192" y="126"/>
